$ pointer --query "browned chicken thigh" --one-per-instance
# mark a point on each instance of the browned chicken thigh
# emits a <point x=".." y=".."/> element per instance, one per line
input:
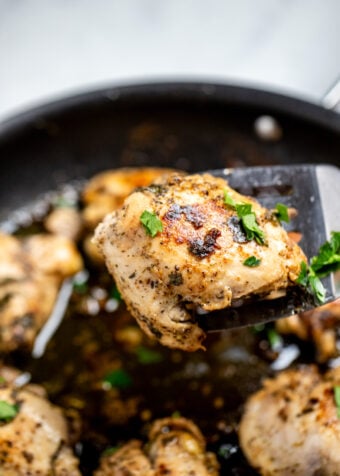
<point x="32" y="270"/>
<point x="292" y="426"/>
<point x="176" y="447"/>
<point x="33" y="433"/>
<point x="196" y="256"/>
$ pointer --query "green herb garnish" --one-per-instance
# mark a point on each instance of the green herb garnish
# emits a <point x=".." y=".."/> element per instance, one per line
<point x="115" y="294"/>
<point x="252" y="262"/>
<point x="7" y="411"/>
<point x="337" y="399"/>
<point x="80" y="288"/>
<point x="148" y="356"/>
<point x="248" y="219"/>
<point x="118" y="378"/>
<point x="328" y="259"/>
<point x="151" y="223"/>
<point x="274" y="339"/>
<point x="321" y="265"/>
<point x="110" y="451"/>
<point x="281" y="212"/>
<point x="228" y="200"/>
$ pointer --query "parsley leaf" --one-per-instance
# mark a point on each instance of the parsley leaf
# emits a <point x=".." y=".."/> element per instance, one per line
<point x="7" y="411"/>
<point x="328" y="259"/>
<point x="248" y="219"/>
<point x="115" y="294"/>
<point x="274" y="339"/>
<point x="308" y="279"/>
<point x="228" y="200"/>
<point x="337" y="399"/>
<point x="151" y="223"/>
<point x="325" y="262"/>
<point x="281" y="212"/>
<point x="118" y="378"/>
<point x="252" y="262"/>
<point x="148" y="356"/>
<point x="252" y="229"/>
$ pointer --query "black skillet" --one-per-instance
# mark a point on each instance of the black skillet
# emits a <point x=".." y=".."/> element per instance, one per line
<point x="188" y="126"/>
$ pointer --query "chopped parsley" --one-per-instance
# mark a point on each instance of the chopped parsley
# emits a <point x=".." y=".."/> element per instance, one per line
<point x="328" y="259"/>
<point x="321" y="265"/>
<point x="110" y="451"/>
<point x="80" y="288"/>
<point x="115" y="294"/>
<point x="281" y="212"/>
<point x="337" y="399"/>
<point x="274" y="339"/>
<point x="252" y="262"/>
<point x="148" y="356"/>
<point x="248" y="219"/>
<point x="118" y="378"/>
<point x="151" y="223"/>
<point x="7" y="411"/>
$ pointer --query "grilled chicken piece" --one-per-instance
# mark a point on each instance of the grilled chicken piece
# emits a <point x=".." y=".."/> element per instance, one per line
<point x="34" y="442"/>
<point x="176" y="447"/>
<point x="291" y="426"/>
<point x="318" y="326"/>
<point x="31" y="271"/>
<point x="107" y="191"/>
<point x="197" y="259"/>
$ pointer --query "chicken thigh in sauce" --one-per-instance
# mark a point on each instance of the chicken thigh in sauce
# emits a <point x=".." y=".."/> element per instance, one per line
<point x="32" y="270"/>
<point x="176" y="447"/>
<point x="184" y="243"/>
<point x="33" y="432"/>
<point x="291" y="426"/>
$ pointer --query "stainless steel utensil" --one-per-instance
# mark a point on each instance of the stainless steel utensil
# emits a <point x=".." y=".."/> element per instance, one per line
<point x="314" y="191"/>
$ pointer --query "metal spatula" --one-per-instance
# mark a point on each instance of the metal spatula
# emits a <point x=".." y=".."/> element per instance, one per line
<point x="314" y="191"/>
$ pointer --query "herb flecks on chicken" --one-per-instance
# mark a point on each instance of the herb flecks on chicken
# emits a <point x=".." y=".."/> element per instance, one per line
<point x="204" y="242"/>
<point x="176" y="447"/>
<point x="292" y="425"/>
<point x="34" y="437"/>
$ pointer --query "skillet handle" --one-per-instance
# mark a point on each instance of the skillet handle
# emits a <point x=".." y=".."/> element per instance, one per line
<point x="331" y="99"/>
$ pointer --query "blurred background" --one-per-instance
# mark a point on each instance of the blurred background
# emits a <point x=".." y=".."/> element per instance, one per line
<point x="53" y="48"/>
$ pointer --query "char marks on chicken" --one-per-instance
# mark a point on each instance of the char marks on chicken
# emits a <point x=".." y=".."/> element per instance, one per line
<point x="196" y="257"/>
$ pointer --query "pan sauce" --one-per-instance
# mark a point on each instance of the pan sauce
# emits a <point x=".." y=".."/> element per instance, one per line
<point x="112" y="380"/>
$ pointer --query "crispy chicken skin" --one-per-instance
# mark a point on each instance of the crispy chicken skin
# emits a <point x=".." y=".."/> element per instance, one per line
<point x="176" y="447"/>
<point x="291" y="426"/>
<point x="197" y="258"/>
<point x="106" y="191"/>
<point x="35" y="441"/>
<point x="32" y="270"/>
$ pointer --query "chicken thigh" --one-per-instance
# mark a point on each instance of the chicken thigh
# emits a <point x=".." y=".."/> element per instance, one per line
<point x="33" y="433"/>
<point x="32" y="270"/>
<point x="292" y="426"/>
<point x="196" y="256"/>
<point x="176" y="447"/>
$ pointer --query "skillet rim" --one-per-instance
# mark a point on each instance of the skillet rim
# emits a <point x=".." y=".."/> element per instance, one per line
<point x="185" y="91"/>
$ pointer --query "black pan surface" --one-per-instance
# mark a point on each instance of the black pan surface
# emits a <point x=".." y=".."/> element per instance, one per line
<point x="188" y="126"/>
